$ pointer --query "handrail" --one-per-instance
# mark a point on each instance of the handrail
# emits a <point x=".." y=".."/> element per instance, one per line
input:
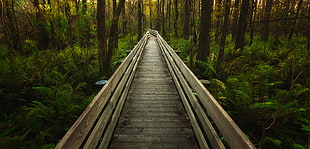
<point x="95" y="126"/>
<point x="200" y="105"/>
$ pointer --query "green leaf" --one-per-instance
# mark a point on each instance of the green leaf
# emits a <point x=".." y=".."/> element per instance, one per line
<point x="272" y="140"/>
<point x="274" y="83"/>
<point x="264" y="105"/>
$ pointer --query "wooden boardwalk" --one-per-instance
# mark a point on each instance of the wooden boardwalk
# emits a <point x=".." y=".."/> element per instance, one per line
<point x="153" y="115"/>
<point x="154" y="101"/>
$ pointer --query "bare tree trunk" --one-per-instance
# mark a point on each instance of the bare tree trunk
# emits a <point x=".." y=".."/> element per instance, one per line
<point x="252" y="19"/>
<point x="168" y="18"/>
<point x="219" y="17"/>
<point x="176" y="17"/>
<point x="267" y="14"/>
<point x="11" y="29"/>
<point x="139" y="19"/>
<point x="242" y="26"/>
<point x="220" y="59"/>
<point x="158" y="27"/>
<point x="235" y="19"/>
<point x="113" y="40"/>
<point x="295" y="20"/>
<point x="104" y="63"/>
<point x="205" y="28"/>
<point x="163" y="22"/>
<point x="186" y="19"/>
<point x="151" y="14"/>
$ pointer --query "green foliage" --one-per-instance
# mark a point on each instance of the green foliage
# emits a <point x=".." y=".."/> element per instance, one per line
<point x="265" y="86"/>
<point x="42" y="95"/>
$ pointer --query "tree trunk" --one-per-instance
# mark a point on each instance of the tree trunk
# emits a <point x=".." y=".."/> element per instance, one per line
<point x="104" y="63"/>
<point x="158" y="16"/>
<point x="223" y="38"/>
<point x="242" y="24"/>
<point x="295" y="20"/>
<point x="113" y="40"/>
<point x="267" y="14"/>
<point x="43" y="39"/>
<point x="218" y="19"/>
<point x="168" y="19"/>
<point x="235" y="19"/>
<point x="176" y="17"/>
<point x="205" y="27"/>
<point x="84" y="6"/>
<point x="252" y="19"/>
<point x="151" y="13"/>
<point x="163" y="22"/>
<point x="139" y="19"/>
<point x="186" y="19"/>
<point x="11" y="29"/>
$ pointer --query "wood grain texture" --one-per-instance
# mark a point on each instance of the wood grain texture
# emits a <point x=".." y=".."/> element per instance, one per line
<point x="153" y="115"/>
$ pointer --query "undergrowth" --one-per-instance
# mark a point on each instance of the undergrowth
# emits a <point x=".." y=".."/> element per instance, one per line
<point x="265" y="88"/>
<point x="42" y="93"/>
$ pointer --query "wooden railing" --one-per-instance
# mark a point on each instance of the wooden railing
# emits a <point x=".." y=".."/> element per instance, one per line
<point x="201" y="107"/>
<point x="95" y="126"/>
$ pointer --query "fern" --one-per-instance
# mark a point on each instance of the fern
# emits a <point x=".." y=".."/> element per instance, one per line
<point x="272" y="140"/>
<point x="264" y="106"/>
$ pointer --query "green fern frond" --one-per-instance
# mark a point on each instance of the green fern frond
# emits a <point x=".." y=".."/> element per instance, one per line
<point x="264" y="105"/>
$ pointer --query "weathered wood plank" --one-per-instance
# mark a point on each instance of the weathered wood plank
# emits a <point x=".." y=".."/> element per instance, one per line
<point x="212" y="135"/>
<point x="198" y="132"/>
<point x="232" y="133"/>
<point x="80" y="129"/>
<point x="153" y="104"/>
<point x="155" y="131"/>
<point x="168" y="145"/>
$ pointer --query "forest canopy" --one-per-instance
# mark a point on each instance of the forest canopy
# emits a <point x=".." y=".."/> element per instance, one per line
<point x="255" y="53"/>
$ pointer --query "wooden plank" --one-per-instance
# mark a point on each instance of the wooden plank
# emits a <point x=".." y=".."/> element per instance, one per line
<point x="110" y="129"/>
<point x="159" y="113"/>
<point x="232" y="133"/>
<point x="199" y="134"/>
<point x="155" y="131"/>
<point x="147" y="91"/>
<point x="79" y="130"/>
<point x="102" y="122"/>
<point x="206" y="124"/>
<point x="213" y="137"/>
<point x="155" y="119"/>
<point x="159" y="139"/>
<point x="183" y="145"/>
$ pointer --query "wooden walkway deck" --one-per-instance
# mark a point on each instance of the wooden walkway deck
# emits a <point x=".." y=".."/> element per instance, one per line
<point x="153" y="115"/>
<point x="154" y="101"/>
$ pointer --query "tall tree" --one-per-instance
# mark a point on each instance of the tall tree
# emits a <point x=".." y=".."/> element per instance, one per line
<point x="11" y="28"/>
<point x="163" y="22"/>
<point x="151" y="14"/>
<point x="295" y="20"/>
<point x="158" y="23"/>
<point x="205" y="28"/>
<point x="139" y="19"/>
<point x="41" y="24"/>
<point x="266" y="17"/>
<point x="235" y="14"/>
<point x="252" y="19"/>
<point x="242" y="25"/>
<point x="113" y="39"/>
<point x="104" y="61"/>
<point x="176" y="17"/>
<point x="186" y="19"/>
<point x="223" y="37"/>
